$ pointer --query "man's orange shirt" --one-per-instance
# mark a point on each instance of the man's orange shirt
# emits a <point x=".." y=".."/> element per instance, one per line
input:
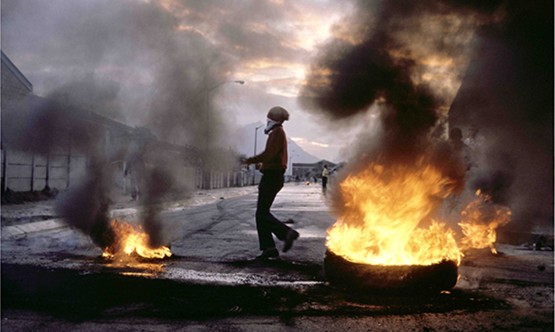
<point x="274" y="156"/>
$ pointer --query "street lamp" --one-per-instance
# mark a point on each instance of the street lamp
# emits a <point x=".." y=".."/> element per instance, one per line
<point x="255" y="138"/>
<point x="224" y="82"/>
<point x="206" y="102"/>
<point x="290" y="165"/>
<point x="208" y="168"/>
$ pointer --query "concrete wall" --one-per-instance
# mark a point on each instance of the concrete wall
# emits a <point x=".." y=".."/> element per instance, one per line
<point x="227" y="179"/>
<point x="64" y="165"/>
<point x="24" y="171"/>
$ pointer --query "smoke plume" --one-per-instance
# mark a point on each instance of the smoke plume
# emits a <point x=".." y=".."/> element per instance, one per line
<point x="85" y="206"/>
<point x="505" y="105"/>
<point x="128" y="61"/>
<point x="377" y="60"/>
<point x="405" y="61"/>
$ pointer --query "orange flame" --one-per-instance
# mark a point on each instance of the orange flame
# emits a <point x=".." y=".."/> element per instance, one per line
<point x="479" y="222"/>
<point x="132" y="239"/>
<point x="384" y="207"/>
<point x="386" y="218"/>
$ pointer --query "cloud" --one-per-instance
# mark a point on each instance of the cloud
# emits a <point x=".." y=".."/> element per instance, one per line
<point x="304" y="141"/>
<point x="159" y="56"/>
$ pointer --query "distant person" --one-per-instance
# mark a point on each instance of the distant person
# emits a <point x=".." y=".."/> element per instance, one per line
<point x="325" y="175"/>
<point x="460" y="147"/>
<point x="274" y="162"/>
<point x="135" y="169"/>
<point x="456" y="138"/>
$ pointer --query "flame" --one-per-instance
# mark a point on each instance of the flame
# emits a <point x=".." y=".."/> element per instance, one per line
<point x="132" y="239"/>
<point x="386" y="217"/>
<point x="384" y="207"/>
<point x="479" y="221"/>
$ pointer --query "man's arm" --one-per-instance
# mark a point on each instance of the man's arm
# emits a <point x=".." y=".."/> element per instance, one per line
<point x="273" y="148"/>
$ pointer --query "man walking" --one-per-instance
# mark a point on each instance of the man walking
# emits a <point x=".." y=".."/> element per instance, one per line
<point x="274" y="162"/>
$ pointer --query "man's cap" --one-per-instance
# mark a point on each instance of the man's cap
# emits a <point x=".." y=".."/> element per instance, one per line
<point x="278" y="114"/>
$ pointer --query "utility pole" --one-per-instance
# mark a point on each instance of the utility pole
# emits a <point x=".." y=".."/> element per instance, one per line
<point x="254" y="167"/>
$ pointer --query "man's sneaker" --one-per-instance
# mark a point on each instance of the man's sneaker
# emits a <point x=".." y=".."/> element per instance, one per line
<point x="291" y="236"/>
<point x="268" y="255"/>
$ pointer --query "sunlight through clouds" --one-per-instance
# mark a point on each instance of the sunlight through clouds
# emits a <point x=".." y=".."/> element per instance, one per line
<point x="164" y="53"/>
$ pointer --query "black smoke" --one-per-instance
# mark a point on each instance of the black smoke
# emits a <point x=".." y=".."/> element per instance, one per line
<point x="506" y="94"/>
<point x="505" y="104"/>
<point x="369" y="66"/>
<point x="44" y="126"/>
<point x="124" y="60"/>
<point x="372" y="66"/>
<point x="86" y="205"/>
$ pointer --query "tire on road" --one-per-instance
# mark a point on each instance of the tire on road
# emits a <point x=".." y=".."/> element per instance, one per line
<point x="396" y="278"/>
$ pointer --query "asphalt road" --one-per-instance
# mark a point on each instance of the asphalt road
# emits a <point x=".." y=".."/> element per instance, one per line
<point x="54" y="279"/>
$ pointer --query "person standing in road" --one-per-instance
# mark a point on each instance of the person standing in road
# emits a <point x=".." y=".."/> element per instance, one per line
<point x="274" y="162"/>
<point x="325" y="175"/>
<point x="135" y="169"/>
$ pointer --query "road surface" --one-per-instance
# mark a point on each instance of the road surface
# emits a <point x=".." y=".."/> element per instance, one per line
<point x="54" y="279"/>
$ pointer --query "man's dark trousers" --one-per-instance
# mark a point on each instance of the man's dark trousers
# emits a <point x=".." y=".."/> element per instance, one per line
<point x="266" y="224"/>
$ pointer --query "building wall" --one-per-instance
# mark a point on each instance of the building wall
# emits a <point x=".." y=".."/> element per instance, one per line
<point x="13" y="89"/>
<point x="64" y="164"/>
<point x="14" y="84"/>
<point x="27" y="171"/>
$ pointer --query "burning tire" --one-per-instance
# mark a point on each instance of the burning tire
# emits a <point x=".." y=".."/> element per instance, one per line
<point x="417" y="278"/>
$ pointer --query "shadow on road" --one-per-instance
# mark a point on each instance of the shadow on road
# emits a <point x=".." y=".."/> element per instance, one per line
<point x="72" y="295"/>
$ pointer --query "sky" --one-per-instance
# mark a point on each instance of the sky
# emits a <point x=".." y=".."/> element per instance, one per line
<point x="137" y="59"/>
<point x="173" y="65"/>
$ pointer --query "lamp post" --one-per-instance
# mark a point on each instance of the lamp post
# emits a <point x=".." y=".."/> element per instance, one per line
<point x="206" y="104"/>
<point x="208" y="165"/>
<point x="255" y="139"/>
<point x="290" y="164"/>
<point x="224" y="82"/>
